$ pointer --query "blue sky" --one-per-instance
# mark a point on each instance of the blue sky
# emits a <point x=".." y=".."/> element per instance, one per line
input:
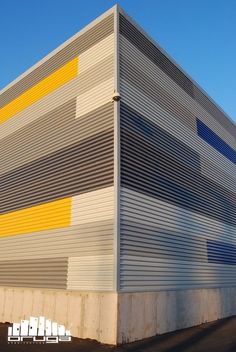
<point x="200" y="35"/>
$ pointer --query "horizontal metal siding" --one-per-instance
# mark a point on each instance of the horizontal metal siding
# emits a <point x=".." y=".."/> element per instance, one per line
<point x="216" y="174"/>
<point x="90" y="273"/>
<point x="135" y="74"/>
<point x="164" y="175"/>
<point x="163" y="243"/>
<point x="152" y="111"/>
<point x="51" y="150"/>
<point x="81" y="240"/>
<point x="53" y="131"/>
<point x="73" y="49"/>
<point x="82" y="167"/>
<point x="100" y="64"/>
<point x="165" y="247"/>
<point x="48" y="273"/>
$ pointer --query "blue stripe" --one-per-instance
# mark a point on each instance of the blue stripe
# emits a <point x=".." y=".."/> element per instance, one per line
<point x="215" y="141"/>
<point x="221" y="252"/>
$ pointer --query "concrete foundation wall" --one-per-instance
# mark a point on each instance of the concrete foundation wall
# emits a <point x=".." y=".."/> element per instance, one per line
<point x="142" y="315"/>
<point x="87" y="314"/>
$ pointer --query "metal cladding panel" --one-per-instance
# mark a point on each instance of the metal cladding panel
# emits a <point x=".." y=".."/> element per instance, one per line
<point x="90" y="272"/>
<point x="49" y="273"/>
<point x="211" y="171"/>
<point x="80" y="168"/>
<point x="178" y="194"/>
<point x="53" y="131"/>
<point x="132" y="70"/>
<point x="163" y="174"/>
<point x="164" y="246"/>
<point x="80" y="240"/>
<point x="155" y="113"/>
<point x="58" y="155"/>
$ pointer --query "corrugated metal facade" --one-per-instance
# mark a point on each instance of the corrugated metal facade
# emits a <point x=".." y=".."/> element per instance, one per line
<point x="57" y="162"/>
<point x="178" y="180"/>
<point x="160" y="215"/>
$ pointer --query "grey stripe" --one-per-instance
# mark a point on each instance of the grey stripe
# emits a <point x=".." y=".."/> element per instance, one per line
<point x="81" y="240"/>
<point x="164" y="246"/>
<point x="52" y="132"/>
<point x="82" y="167"/>
<point x="50" y="273"/>
<point x="75" y="48"/>
<point x="152" y="89"/>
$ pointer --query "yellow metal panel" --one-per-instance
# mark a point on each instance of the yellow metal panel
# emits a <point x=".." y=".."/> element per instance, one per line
<point x="40" y="90"/>
<point x="41" y="217"/>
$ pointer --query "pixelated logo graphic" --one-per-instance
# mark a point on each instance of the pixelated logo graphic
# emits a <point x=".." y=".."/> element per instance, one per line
<point x="38" y="330"/>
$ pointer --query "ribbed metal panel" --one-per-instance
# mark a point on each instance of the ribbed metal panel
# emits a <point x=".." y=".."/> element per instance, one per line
<point x="81" y="240"/>
<point x="152" y="111"/>
<point x="217" y="175"/>
<point x="165" y="247"/>
<point x="177" y="214"/>
<point x="134" y="73"/>
<point x="80" y="168"/>
<point x="90" y="273"/>
<point x="61" y="148"/>
<point x="53" y="131"/>
<point x="163" y="174"/>
<point x="73" y="49"/>
<point x="100" y="202"/>
<point x="49" y="273"/>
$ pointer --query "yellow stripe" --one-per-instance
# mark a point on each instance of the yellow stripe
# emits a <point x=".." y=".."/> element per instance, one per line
<point x="40" y="217"/>
<point x="40" y="90"/>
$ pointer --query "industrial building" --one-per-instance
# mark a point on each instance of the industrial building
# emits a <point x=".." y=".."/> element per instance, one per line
<point x="118" y="190"/>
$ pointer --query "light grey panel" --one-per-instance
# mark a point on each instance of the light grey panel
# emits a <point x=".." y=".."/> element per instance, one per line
<point x="136" y="75"/>
<point x="216" y="174"/>
<point x="163" y="246"/>
<point x="94" y="272"/>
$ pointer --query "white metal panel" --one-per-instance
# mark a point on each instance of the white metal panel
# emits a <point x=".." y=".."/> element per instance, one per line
<point x="95" y="97"/>
<point x="93" y="206"/>
<point x="96" y="53"/>
<point x="90" y="272"/>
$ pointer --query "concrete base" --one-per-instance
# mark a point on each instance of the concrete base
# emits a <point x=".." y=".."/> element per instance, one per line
<point x="118" y="318"/>
<point x="142" y="315"/>
<point x="87" y="314"/>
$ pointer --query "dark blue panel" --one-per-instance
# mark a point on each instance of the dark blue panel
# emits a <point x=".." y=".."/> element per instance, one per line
<point x="221" y="252"/>
<point x="215" y="141"/>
